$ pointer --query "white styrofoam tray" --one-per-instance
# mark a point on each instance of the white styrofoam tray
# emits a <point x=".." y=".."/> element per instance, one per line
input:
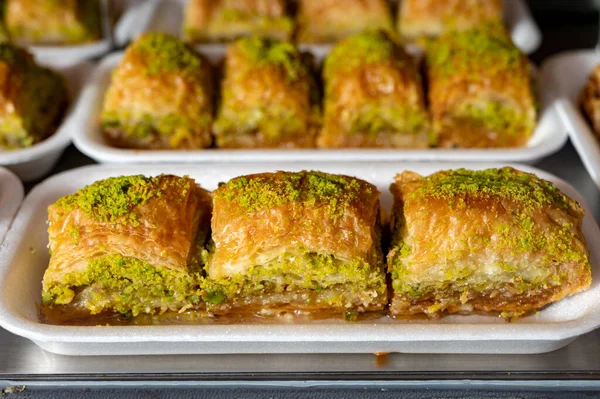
<point x="33" y="162"/>
<point x="24" y="258"/>
<point x="567" y="73"/>
<point x="133" y="21"/>
<point x="548" y="137"/>
<point x="168" y="16"/>
<point x="11" y="196"/>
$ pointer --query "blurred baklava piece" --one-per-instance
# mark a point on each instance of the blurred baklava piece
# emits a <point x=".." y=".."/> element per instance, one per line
<point x="480" y="90"/>
<point x="590" y="100"/>
<point x="160" y="96"/>
<point x="33" y="99"/>
<point x="226" y="20"/>
<point x="496" y="240"/>
<point x="373" y="96"/>
<point x="53" y="21"/>
<point x="306" y="241"/>
<point x="268" y="97"/>
<point x="324" y="21"/>
<point x="431" y="18"/>
<point x="130" y="245"/>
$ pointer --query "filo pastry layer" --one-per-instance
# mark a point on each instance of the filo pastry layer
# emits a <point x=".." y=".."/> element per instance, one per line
<point x="496" y="240"/>
<point x="296" y="241"/>
<point x="373" y="96"/>
<point x="130" y="244"/>
<point x="480" y="89"/>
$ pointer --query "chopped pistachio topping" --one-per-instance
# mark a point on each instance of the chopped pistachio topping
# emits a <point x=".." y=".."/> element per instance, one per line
<point x="275" y="52"/>
<point x="486" y="48"/>
<point x="166" y="53"/>
<point x="113" y="199"/>
<point x="526" y="189"/>
<point x="369" y="47"/>
<point x="254" y="193"/>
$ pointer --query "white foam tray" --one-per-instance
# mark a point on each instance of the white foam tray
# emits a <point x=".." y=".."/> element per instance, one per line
<point x="567" y="73"/>
<point x="11" y="196"/>
<point x="133" y="20"/>
<point x="34" y="162"/>
<point x="167" y="17"/>
<point x="24" y="257"/>
<point x="548" y="137"/>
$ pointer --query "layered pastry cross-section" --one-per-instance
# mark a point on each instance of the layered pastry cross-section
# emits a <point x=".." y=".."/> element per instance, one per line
<point x="325" y="21"/>
<point x="160" y="96"/>
<point x="496" y="240"/>
<point x="33" y="99"/>
<point x="373" y="96"/>
<point x="480" y="89"/>
<point x="306" y="241"/>
<point x="431" y="18"/>
<point x="226" y="20"/>
<point x="52" y="22"/>
<point x="268" y="97"/>
<point x="130" y="245"/>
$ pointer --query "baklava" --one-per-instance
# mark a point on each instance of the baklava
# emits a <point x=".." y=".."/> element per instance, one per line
<point x="268" y="97"/>
<point x="306" y="241"/>
<point x="495" y="240"/>
<point x="324" y="21"/>
<point x="160" y="97"/>
<point x="430" y="18"/>
<point x="33" y="99"/>
<point x="590" y="100"/>
<point x="226" y="20"/>
<point x="53" y="22"/>
<point x="128" y="245"/>
<point x="373" y="96"/>
<point x="480" y="90"/>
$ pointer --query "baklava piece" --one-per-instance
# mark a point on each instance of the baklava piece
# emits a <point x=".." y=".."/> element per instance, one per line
<point x="268" y="97"/>
<point x="480" y="90"/>
<point x="306" y="241"/>
<point x="226" y="20"/>
<point x="130" y="245"/>
<point x="496" y="240"/>
<point x="373" y="96"/>
<point x="325" y="21"/>
<point x="160" y="97"/>
<point x="52" y="22"/>
<point x="430" y="18"/>
<point x="33" y="99"/>
<point x="590" y="100"/>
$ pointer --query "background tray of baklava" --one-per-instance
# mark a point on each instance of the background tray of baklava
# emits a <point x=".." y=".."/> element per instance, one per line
<point x="568" y="73"/>
<point x="11" y="196"/>
<point x="548" y="136"/>
<point x="24" y="258"/>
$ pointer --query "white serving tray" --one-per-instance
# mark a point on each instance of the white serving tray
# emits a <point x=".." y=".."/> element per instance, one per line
<point x="24" y="257"/>
<point x="133" y="21"/>
<point x="34" y="162"/>
<point x="548" y="137"/>
<point x="168" y="15"/>
<point x="11" y="196"/>
<point x="567" y="74"/>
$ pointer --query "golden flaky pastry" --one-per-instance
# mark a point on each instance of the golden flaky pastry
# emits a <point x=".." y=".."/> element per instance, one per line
<point x="324" y="21"/>
<point x="480" y="89"/>
<point x="160" y="96"/>
<point x="225" y="20"/>
<point x="52" y="22"/>
<point x="268" y="97"/>
<point x="128" y="244"/>
<point x="431" y="18"/>
<point x="307" y="241"/>
<point x="590" y="100"/>
<point x="373" y="96"/>
<point x="496" y="240"/>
